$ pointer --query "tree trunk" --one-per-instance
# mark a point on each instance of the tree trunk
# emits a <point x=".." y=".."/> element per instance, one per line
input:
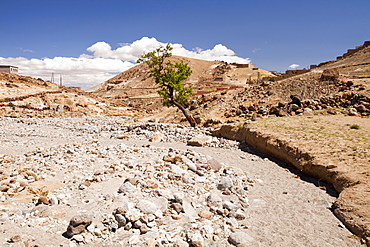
<point x="188" y="117"/>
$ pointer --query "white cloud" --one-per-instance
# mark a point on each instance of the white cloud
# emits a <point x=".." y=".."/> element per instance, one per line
<point x="127" y="52"/>
<point x="84" y="72"/>
<point x="294" y="66"/>
<point x="133" y="51"/>
<point x="103" y="62"/>
<point x="218" y="52"/>
<point x="26" y="50"/>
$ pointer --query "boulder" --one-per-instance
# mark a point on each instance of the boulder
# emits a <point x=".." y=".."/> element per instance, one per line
<point x="77" y="225"/>
<point x="330" y="75"/>
<point x="214" y="201"/>
<point x="361" y="108"/>
<point x="215" y="164"/>
<point x="283" y="113"/>
<point x="127" y="188"/>
<point x="225" y="184"/>
<point x="157" y="137"/>
<point x="200" y="141"/>
<point x="352" y="112"/>
<point x="307" y="112"/>
<point x="146" y="206"/>
<point x="240" y="238"/>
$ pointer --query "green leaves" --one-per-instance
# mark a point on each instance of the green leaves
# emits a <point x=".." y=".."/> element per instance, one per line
<point x="169" y="76"/>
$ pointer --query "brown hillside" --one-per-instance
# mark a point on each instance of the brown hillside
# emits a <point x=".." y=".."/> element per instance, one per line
<point x="206" y="76"/>
<point x="354" y="66"/>
<point x="319" y="89"/>
<point x="24" y="96"/>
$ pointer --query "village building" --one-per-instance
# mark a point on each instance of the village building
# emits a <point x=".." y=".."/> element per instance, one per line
<point x="9" y="69"/>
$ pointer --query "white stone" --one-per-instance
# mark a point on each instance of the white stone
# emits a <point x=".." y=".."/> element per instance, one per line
<point x="177" y="170"/>
<point x="157" y="137"/>
<point x="229" y="206"/>
<point x="226" y="183"/>
<point x="207" y="230"/>
<point x="78" y="238"/>
<point x="97" y="232"/>
<point x="240" y="238"/>
<point x="188" y="209"/>
<point x="128" y="206"/>
<point x="213" y="200"/>
<point x="197" y="240"/>
<point x="178" y="197"/>
<point x="53" y="200"/>
<point x="158" y="214"/>
<point x="147" y="207"/>
<point x="90" y="228"/>
<point x="191" y="165"/>
<point x="134" y="239"/>
<point x="133" y="215"/>
<point x="127" y="188"/>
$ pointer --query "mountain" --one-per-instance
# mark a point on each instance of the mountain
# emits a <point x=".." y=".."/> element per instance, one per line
<point x="206" y="76"/>
<point x="232" y="92"/>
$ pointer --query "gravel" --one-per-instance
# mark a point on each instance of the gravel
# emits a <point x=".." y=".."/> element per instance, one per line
<point x="100" y="181"/>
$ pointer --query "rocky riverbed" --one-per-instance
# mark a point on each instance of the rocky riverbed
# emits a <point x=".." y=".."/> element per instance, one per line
<point x="108" y="181"/>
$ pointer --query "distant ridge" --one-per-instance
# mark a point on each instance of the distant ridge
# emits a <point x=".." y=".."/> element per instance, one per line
<point x="206" y="75"/>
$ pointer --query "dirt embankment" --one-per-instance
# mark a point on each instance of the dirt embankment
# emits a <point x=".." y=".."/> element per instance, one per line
<point x="305" y="143"/>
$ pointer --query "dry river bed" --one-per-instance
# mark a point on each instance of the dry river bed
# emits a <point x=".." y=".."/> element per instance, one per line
<point x="107" y="181"/>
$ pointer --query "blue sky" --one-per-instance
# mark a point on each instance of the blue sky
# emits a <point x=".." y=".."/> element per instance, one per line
<point x="55" y="35"/>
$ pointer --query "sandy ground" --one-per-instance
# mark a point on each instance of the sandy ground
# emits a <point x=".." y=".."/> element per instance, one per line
<point x="340" y="148"/>
<point x="286" y="208"/>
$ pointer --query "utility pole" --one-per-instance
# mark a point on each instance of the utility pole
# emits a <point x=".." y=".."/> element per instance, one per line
<point x="60" y="80"/>
<point x="52" y="77"/>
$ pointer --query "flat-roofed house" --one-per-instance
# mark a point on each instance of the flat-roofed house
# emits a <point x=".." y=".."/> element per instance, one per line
<point x="9" y="69"/>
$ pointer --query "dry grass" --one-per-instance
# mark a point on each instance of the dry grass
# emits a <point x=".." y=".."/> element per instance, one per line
<point x="38" y="191"/>
<point x="340" y="138"/>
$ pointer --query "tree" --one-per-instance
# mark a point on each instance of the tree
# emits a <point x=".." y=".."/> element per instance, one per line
<point x="170" y="78"/>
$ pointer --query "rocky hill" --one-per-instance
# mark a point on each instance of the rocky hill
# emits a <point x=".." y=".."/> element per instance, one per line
<point x="26" y="96"/>
<point x="339" y="86"/>
<point x="238" y="92"/>
<point x="358" y="58"/>
<point x="206" y="76"/>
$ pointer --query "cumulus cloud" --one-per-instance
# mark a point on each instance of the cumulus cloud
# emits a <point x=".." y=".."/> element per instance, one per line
<point x="133" y="51"/>
<point x="84" y="72"/>
<point x="218" y="52"/>
<point x="127" y="52"/>
<point x="102" y="61"/>
<point x="294" y="66"/>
